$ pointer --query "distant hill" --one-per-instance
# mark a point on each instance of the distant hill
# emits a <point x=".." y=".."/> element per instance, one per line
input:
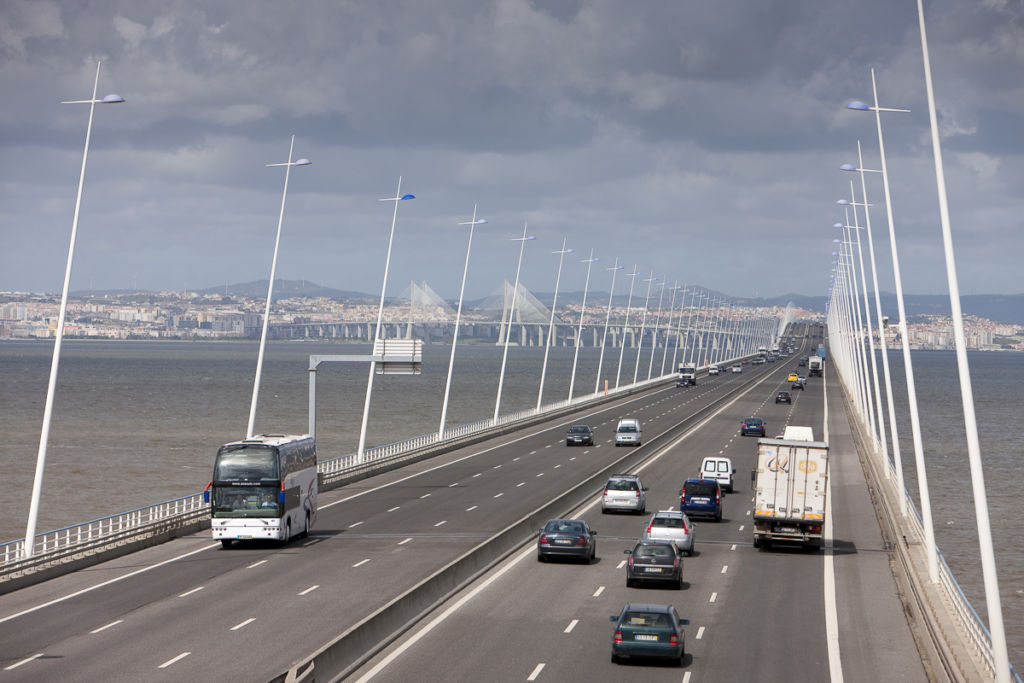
<point x="287" y="289"/>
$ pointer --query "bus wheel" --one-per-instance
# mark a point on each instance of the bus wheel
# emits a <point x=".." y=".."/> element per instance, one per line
<point x="305" y="529"/>
<point x="225" y="543"/>
<point x="287" y="533"/>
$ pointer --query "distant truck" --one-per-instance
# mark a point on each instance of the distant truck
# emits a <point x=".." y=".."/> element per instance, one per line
<point x="821" y="351"/>
<point x="814" y="366"/>
<point x="789" y="489"/>
<point x="687" y="374"/>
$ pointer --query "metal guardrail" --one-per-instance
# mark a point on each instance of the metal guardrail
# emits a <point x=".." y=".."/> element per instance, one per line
<point x="53" y="546"/>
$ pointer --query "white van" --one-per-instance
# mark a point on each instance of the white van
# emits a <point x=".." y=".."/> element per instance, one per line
<point x="720" y="469"/>
<point x="628" y="432"/>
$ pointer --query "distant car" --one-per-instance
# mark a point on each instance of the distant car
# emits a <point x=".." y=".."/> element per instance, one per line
<point x="758" y="361"/>
<point x="671" y="525"/>
<point x="713" y="370"/>
<point x="792" y="377"/>
<point x="624" y="492"/>
<point x="752" y="425"/>
<point x="799" y="383"/>
<point x="654" y="561"/>
<point x="579" y="435"/>
<point x="643" y="630"/>
<point x="701" y="497"/>
<point x="737" y="369"/>
<point x="567" y="538"/>
<point x="803" y="363"/>
<point x="783" y="397"/>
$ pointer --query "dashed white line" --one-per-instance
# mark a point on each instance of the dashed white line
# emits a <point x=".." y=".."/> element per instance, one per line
<point x="621" y="565"/>
<point x="442" y="522"/>
<point x="700" y="633"/>
<point x="572" y="458"/>
<point x="360" y="563"/>
<point x="194" y="590"/>
<point x="394" y="508"/>
<point x="533" y="452"/>
<point x="741" y="527"/>
<point x="405" y="540"/>
<point x="24" y="661"/>
<point x="499" y="495"/>
<point x="314" y="541"/>
<point x="104" y="628"/>
<point x="536" y="672"/>
<point x="470" y="509"/>
<point x="541" y="474"/>
<point x="548" y="446"/>
<point x="571" y="626"/>
<point x="748" y="513"/>
<point x="725" y="568"/>
<point x="477" y="475"/>
<point x="256" y="564"/>
<point x="243" y="624"/>
<point x="310" y="589"/>
<point x="425" y="495"/>
<point x="453" y="484"/>
<point x="496" y="467"/>
<point x="354" y="525"/>
<point x="732" y="547"/>
<point x="522" y="483"/>
<point x="515" y="458"/>
<point x="173" y="660"/>
<point x="597" y="593"/>
<point x="714" y="596"/>
<point x="557" y="466"/>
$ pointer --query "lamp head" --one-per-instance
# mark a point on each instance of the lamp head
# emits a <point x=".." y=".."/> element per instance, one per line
<point x="408" y="196"/>
<point x="302" y="162"/>
<point x="847" y="167"/>
<point x="112" y="99"/>
<point x="843" y="202"/>
<point x="838" y="225"/>
<point x="858" y="105"/>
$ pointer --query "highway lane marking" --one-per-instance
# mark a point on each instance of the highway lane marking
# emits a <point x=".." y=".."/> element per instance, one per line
<point x="256" y="564"/>
<point x="243" y="624"/>
<point x="442" y="522"/>
<point x="425" y="495"/>
<point x="533" y="452"/>
<point x="106" y="583"/>
<point x="748" y="512"/>
<point x="499" y="495"/>
<point x="586" y="451"/>
<point x="714" y="597"/>
<point x="104" y="628"/>
<point x="497" y="467"/>
<point x="597" y="593"/>
<point x="194" y="590"/>
<point x="700" y="633"/>
<point x="541" y="474"/>
<point x="557" y="466"/>
<point x="310" y="589"/>
<point x="404" y="541"/>
<point x="470" y="509"/>
<point x="173" y="660"/>
<point x="686" y="677"/>
<point x="515" y="458"/>
<point x="741" y="527"/>
<point x="725" y="568"/>
<point x="621" y="565"/>
<point x="571" y="626"/>
<point x="453" y="484"/>
<point x="395" y="508"/>
<point x="522" y="483"/>
<point x="360" y="563"/>
<point x="354" y="525"/>
<point x="313" y="542"/>
<point x="24" y="661"/>
<point x="549" y="445"/>
<point x="732" y="547"/>
<point x="477" y="474"/>
<point x="572" y="458"/>
<point x="536" y="672"/>
<point x="835" y="662"/>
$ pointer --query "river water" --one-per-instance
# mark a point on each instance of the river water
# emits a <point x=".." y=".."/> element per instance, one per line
<point x="136" y="423"/>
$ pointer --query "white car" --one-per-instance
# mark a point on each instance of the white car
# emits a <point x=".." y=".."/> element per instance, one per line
<point x="628" y="432"/>
<point x="737" y="369"/>
<point x="624" y="492"/>
<point x="671" y="525"/>
<point x="713" y="370"/>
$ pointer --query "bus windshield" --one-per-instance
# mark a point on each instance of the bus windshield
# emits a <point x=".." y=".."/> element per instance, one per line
<point x="247" y="501"/>
<point x="250" y="463"/>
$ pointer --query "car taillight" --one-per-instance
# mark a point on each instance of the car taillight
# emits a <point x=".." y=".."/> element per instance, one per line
<point x="618" y="637"/>
<point x="674" y="640"/>
<point x="605" y="492"/>
<point x="675" y="563"/>
<point x="637" y="493"/>
<point x="814" y="528"/>
<point x="650" y="526"/>
<point x="543" y="538"/>
<point x="582" y="540"/>
<point x="630" y="561"/>
<point x="718" y="496"/>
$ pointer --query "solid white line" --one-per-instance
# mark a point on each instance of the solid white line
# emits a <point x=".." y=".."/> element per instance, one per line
<point x="714" y="596"/>
<point x="404" y="541"/>
<point x="725" y="568"/>
<point x="194" y="590"/>
<point x="310" y="589"/>
<point x="443" y="521"/>
<point x="175" y="659"/>
<point x="354" y="525"/>
<point x="24" y="661"/>
<point x="360" y="563"/>
<point x="470" y="509"/>
<point x="105" y="583"/>
<point x="597" y="593"/>
<point x="256" y="564"/>
<point x="390" y="509"/>
<point x="536" y="672"/>
<point x="700" y="633"/>
<point x="104" y="628"/>
<point x="835" y="662"/>
<point x="571" y="626"/>
<point x="243" y="624"/>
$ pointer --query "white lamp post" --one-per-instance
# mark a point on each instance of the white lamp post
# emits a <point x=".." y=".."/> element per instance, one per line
<point x="915" y="420"/>
<point x="622" y="344"/>
<point x="458" y="317"/>
<point x="988" y="561"/>
<point x="44" y="435"/>
<point x="643" y="325"/>
<point x="511" y="314"/>
<point x="399" y="197"/>
<point x="607" y="317"/>
<point x="657" y="326"/>
<point x="551" y="323"/>
<point x="270" y="287"/>
<point x="579" y="330"/>
<point x="668" y="326"/>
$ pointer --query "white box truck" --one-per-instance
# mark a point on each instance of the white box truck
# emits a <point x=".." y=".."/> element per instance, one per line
<point x="814" y="366"/>
<point x="687" y="374"/>
<point x="789" y="490"/>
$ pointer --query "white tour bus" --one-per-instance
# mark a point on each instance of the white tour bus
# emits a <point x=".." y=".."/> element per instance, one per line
<point x="263" y="488"/>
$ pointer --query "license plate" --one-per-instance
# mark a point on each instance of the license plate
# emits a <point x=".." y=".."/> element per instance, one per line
<point x="244" y="538"/>
<point x="643" y="636"/>
<point x="702" y="501"/>
<point x="652" y="570"/>
<point x="562" y="541"/>
<point x="789" y="529"/>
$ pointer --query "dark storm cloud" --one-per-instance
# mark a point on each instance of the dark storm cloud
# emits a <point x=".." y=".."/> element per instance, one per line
<point x="700" y="140"/>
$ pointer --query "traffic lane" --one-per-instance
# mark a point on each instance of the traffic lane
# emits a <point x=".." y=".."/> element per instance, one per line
<point x="876" y="642"/>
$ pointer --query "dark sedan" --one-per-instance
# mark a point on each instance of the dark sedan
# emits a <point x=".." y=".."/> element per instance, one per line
<point x="579" y="435"/>
<point x="654" y="561"/>
<point x="649" y="631"/>
<point x="752" y="425"/>
<point x="783" y="397"/>
<point x="571" y="538"/>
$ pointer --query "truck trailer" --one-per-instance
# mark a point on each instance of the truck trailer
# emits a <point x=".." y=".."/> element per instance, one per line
<point x="790" y="485"/>
<point x="814" y="364"/>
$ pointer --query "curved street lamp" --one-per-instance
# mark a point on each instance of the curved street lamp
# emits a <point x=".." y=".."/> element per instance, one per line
<point x="512" y="311"/>
<point x="551" y="322"/>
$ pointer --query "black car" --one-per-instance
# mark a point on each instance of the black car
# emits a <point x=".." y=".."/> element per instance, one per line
<point x="752" y="425"/>
<point x="783" y="397"/>
<point x="649" y="631"/>
<point x="802" y="363"/>
<point x="567" y="538"/>
<point x="654" y="561"/>
<point x="579" y="435"/>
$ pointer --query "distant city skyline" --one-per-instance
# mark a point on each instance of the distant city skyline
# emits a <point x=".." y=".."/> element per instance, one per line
<point x="699" y="142"/>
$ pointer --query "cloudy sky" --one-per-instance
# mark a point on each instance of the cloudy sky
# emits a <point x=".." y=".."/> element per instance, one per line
<point x="698" y="140"/>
